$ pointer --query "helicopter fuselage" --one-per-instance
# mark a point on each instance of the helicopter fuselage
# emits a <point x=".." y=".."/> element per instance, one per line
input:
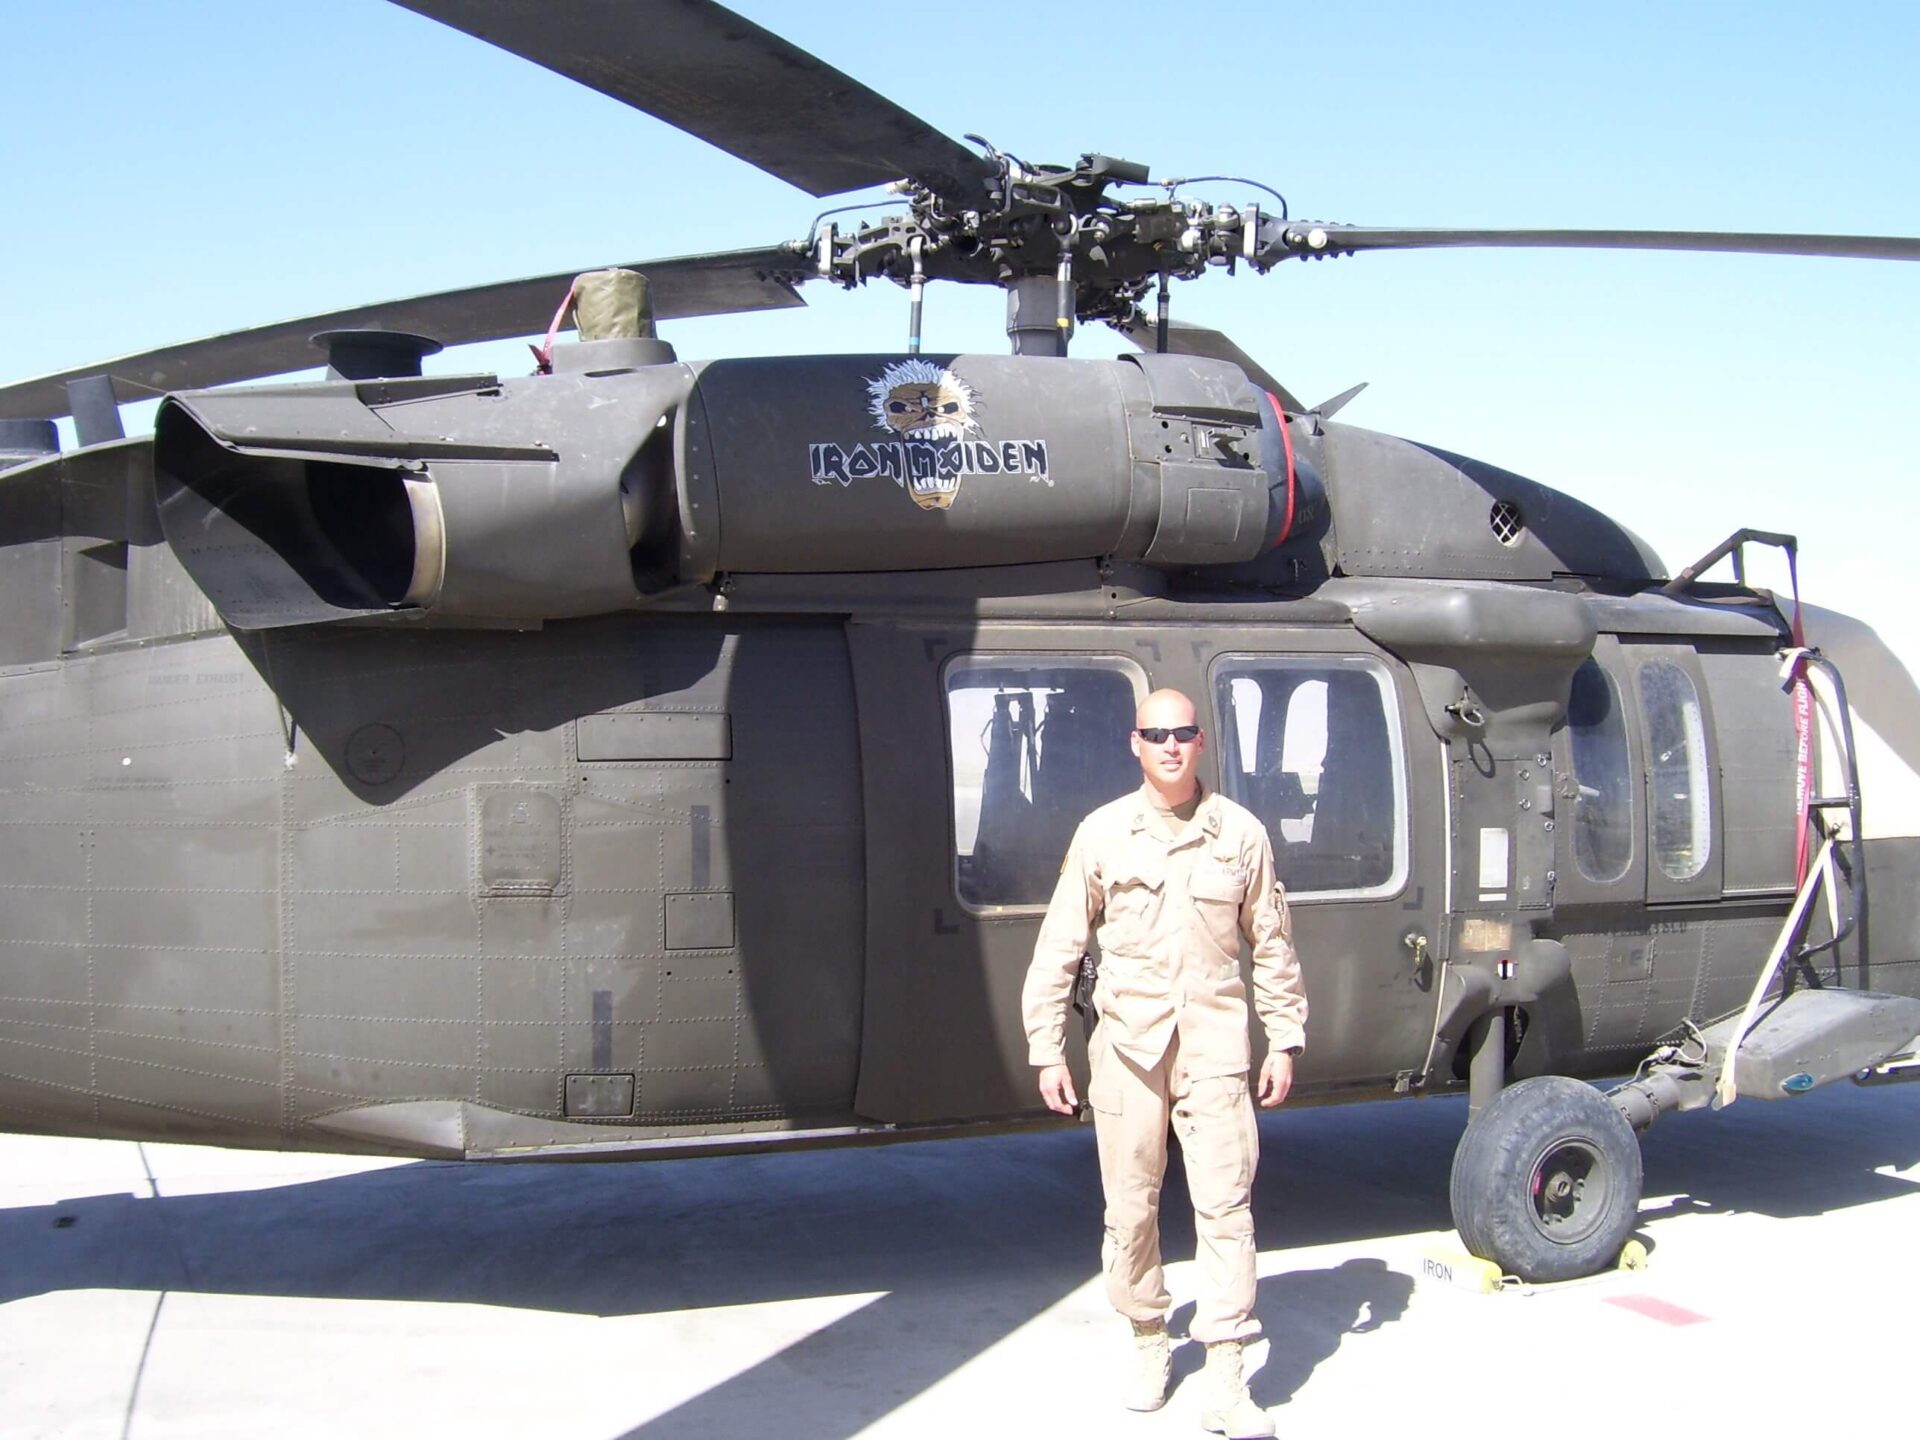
<point x="304" y="849"/>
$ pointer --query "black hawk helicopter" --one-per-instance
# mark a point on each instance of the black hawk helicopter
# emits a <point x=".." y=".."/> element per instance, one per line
<point x="643" y="758"/>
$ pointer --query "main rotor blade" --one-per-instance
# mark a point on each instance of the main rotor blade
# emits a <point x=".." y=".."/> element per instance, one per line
<point x="1186" y="339"/>
<point x="693" y="285"/>
<point x="716" y="75"/>
<point x="1306" y="239"/>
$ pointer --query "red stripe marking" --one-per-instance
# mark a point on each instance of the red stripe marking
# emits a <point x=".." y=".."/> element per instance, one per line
<point x="1286" y="441"/>
<point x="1663" y="1311"/>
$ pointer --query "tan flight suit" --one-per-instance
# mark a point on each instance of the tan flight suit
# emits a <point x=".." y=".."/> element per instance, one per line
<point x="1172" y="902"/>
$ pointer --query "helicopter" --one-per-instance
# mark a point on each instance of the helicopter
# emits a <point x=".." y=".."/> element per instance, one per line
<point x="644" y="759"/>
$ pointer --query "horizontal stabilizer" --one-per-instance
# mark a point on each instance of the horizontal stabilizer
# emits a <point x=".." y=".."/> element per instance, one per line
<point x="1814" y="1036"/>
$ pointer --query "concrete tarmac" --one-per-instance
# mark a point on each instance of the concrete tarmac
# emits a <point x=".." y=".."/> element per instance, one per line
<point x="938" y="1289"/>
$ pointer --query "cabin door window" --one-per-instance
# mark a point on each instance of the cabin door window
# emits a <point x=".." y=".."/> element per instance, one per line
<point x="1036" y="742"/>
<point x="1312" y="745"/>
<point x="1603" y="777"/>
<point x="1678" y="797"/>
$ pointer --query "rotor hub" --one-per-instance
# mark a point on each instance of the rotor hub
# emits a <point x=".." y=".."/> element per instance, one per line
<point x="1065" y="223"/>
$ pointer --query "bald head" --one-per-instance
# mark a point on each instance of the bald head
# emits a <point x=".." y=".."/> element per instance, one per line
<point x="1165" y="707"/>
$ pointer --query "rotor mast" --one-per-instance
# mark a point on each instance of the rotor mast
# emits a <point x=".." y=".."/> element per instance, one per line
<point x="1038" y="322"/>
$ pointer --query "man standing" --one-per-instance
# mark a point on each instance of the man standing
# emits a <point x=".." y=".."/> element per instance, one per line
<point x="1174" y="877"/>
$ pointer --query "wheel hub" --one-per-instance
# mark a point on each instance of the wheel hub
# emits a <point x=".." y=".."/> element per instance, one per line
<point x="1569" y="1191"/>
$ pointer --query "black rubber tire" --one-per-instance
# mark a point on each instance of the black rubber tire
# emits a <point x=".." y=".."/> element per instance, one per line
<point x="1546" y="1181"/>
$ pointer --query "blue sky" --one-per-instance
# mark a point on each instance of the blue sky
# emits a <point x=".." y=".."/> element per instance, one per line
<point x="181" y="169"/>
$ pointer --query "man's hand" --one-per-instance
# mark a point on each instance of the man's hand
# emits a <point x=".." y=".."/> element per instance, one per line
<point x="1276" y="1078"/>
<point x="1056" y="1088"/>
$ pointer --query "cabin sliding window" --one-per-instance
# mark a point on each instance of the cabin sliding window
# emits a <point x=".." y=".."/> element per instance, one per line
<point x="1677" y="795"/>
<point x="1312" y="746"/>
<point x="1603" y="773"/>
<point x="1036" y="742"/>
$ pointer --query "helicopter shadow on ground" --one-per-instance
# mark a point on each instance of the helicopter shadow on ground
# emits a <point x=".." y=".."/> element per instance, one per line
<point x="1810" y="1155"/>
<point x="583" y="1239"/>
<point x="616" y="1239"/>
<point x="1786" y="1159"/>
<point x="961" y="1242"/>
<point x="1329" y="1175"/>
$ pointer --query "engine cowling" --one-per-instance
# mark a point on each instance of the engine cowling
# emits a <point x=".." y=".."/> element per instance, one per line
<point x="581" y="492"/>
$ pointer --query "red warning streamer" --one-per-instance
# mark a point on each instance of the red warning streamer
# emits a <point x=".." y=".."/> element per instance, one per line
<point x="543" y="354"/>
<point x="1802" y="690"/>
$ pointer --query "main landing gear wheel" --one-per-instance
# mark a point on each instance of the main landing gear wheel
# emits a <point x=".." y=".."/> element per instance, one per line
<point x="1546" y="1181"/>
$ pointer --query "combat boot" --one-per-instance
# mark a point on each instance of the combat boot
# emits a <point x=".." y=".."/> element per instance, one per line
<point x="1225" y="1407"/>
<point x="1152" y="1365"/>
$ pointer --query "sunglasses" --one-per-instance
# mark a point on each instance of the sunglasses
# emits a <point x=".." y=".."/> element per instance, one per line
<point x="1157" y="734"/>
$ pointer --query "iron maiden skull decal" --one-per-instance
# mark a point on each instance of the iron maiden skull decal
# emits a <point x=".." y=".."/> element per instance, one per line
<point x="933" y="417"/>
